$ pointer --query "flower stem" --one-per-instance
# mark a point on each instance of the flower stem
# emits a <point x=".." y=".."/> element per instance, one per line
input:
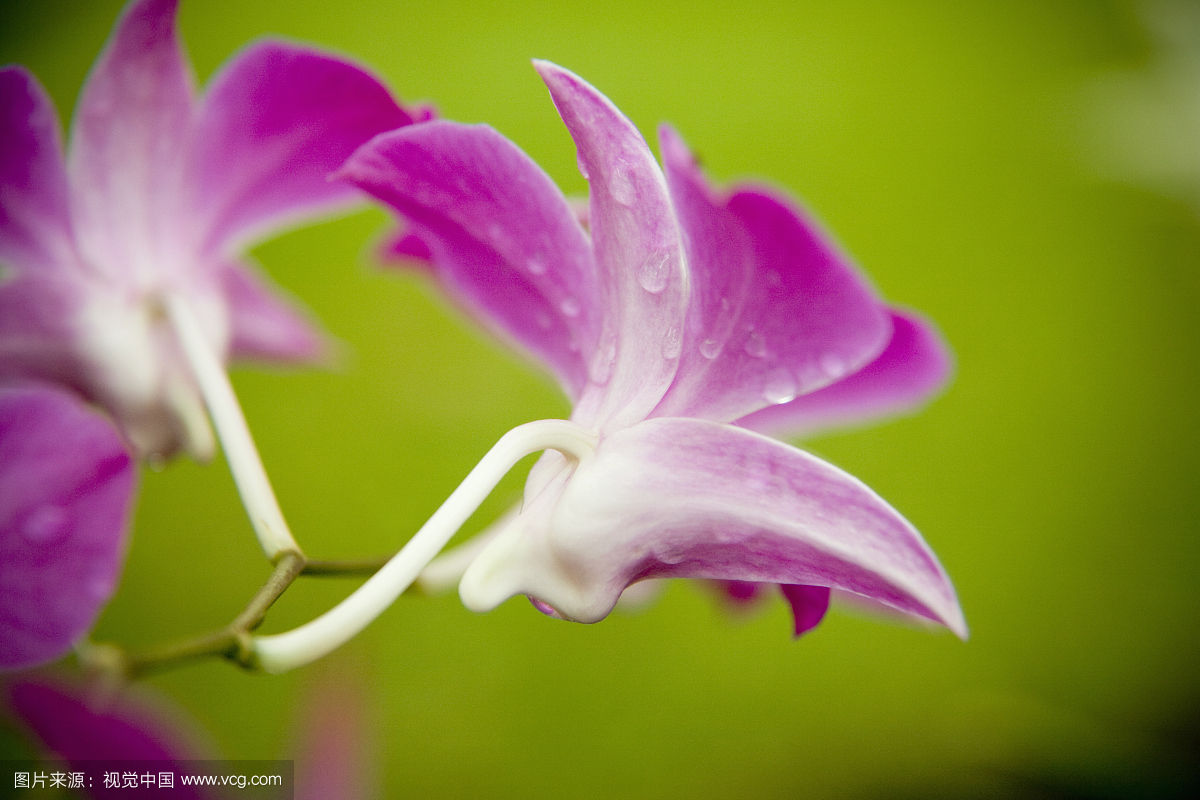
<point x="230" y="642"/>
<point x="284" y="651"/>
<point x="244" y="462"/>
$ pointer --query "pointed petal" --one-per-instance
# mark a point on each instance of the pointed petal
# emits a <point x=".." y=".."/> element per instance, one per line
<point x="690" y="498"/>
<point x="274" y="124"/>
<point x="501" y="237"/>
<point x="265" y="326"/>
<point x="132" y="726"/>
<point x="913" y="367"/>
<point x="639" y="256"/>
<point x="776" y="311"/>
<point x="66" y="487"/>
<point x="809" y="604"/>
<point x="35" y="224"/>
<point x="129" y="124"/>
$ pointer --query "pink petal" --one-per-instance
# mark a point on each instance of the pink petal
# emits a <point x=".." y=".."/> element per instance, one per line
<point x="274" y="124"/>
<point x="809" y="604"/>
<point x="81" y="728"/>
<point x="130" y="123"/>
<point x="40" y="287"/>
<point x="264" y="325"/>
<point x="334" y="759"/>
<point x="499" y="234"/>
<point x="35" y="223"/>
<point x="676" y="497"/>
<point x="913" y="367"/>
<point x="643" y="287"/>
<point x="776" y="311"/>
<point x="66" y="486"/>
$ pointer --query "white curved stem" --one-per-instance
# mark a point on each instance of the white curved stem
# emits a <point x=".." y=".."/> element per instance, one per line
<point x="335" y="627"/>
<point x="244" y="462"/>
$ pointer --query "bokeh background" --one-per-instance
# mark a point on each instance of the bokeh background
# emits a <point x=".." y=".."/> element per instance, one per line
<point x="1026" y="173"/>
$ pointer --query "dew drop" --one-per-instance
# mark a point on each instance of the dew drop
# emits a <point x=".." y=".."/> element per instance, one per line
<point x="621" y="186"/>
<point x="710" y="348"/>
<point x="536" y="266"/>
<point x="832" y="366"/>
<point x="98" y="587"/>
<point x="583" y="170"/>
<point x="569" y="307"/>
<point x="600" y="368"/>
<point x="655" y="271"/>
<point x="672" y="343"/>
<point x="780" y="387"/>
<point x="756" y="345"/>
<point x="46" y="525"/>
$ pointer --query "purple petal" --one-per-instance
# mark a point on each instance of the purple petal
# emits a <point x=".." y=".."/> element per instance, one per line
<point x="35" y="224"/>
<point x="809" y="604"/>
<point x="131" y="726"/>
<point x="639" y="257"/>
<point x="913" y="367"/>
<point x="131" y="120"/>
<point x="265" y="326"/>
<point x="776" y="311"/>
<point x="274" y="124"/>
<point x="499" y="233"/>
<point x="66" y="486"/>
<point x="690" y="498"/>
<point x="40" y="290"/>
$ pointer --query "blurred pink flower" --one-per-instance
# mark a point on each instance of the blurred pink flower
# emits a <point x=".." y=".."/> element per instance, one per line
<point x="159" y="194"/>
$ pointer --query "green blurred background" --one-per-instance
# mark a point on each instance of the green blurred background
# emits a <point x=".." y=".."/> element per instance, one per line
<point x="1026" y="173"/>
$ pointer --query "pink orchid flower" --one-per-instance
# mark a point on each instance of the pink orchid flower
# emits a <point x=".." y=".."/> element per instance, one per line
<point x="681" y="321"/>
<point x="146" y="217"/>
<point x="121" y="280"/>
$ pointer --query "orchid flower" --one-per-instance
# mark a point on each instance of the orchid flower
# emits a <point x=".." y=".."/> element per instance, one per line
<point x="67" y="490"/>
<point x="681" y="318"/>
<point x="120" y="273"/>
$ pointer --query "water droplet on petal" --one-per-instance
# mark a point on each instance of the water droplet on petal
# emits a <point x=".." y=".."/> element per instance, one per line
<point x="583" y="170"/>
<point x="832" y="366"/>
<point x="655" y="271"/>
<point x="672" y="343"/>
<point x="536" y="266"/>
<point x="98" y="587"/>
<point x="621" y="186"/>
<point x="756" y="345"/>
<point x="46" y="525"/>
<point x="569" y="307"/>
<point x="780" y="387"/>
<point x="710" y="348"/>
<point x="600" y="368"/>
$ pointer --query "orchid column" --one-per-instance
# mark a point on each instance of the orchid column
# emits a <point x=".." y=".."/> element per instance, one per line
<point x="121" y="275"/>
